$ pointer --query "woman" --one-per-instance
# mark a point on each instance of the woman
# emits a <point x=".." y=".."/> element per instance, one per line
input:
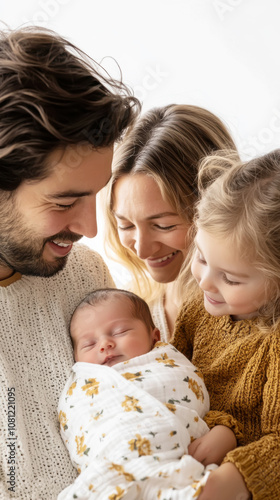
<point x="151" y="200"/>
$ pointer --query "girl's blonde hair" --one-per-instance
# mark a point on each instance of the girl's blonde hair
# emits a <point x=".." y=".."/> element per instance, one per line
<point x="241" y="202"/>
<point x="166" y="144"/>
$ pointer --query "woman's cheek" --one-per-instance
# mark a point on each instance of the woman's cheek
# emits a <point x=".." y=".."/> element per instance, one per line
<point x="124" y="239"/>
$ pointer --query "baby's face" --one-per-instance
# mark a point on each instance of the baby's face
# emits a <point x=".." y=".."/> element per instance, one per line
<point x="107" y="333"/>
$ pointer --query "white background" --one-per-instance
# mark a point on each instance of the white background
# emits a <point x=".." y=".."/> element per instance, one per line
<point x="219" y="54"/>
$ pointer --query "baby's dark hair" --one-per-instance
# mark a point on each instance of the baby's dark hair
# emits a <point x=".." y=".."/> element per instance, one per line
<point x="139" y="309"/>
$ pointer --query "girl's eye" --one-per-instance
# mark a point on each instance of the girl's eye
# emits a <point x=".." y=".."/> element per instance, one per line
<point x="229" y="282"/>
<point x="200" y="257"/>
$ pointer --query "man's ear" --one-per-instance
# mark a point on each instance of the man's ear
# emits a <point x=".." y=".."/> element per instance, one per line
<point x="155" y="335"/>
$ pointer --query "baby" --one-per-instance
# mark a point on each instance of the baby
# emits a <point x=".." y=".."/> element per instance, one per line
<point x="111" y="326"/>
<point x="131" y="407"/>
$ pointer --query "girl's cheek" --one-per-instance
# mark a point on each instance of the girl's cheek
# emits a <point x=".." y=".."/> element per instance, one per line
<point x="194" y="270"/>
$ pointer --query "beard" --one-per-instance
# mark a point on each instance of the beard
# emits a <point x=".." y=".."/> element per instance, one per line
<point x="21" y="251"/>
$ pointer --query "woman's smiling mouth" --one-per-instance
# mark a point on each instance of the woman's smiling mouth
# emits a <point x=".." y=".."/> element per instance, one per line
<point x="162" y="261"/>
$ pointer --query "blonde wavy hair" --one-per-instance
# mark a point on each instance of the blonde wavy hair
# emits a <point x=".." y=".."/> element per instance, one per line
<point x="166" y="144"/>
<point x="240" y="201"/>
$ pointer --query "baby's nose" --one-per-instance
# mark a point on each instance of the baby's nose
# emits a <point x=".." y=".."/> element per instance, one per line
<point x="106" y="344"/>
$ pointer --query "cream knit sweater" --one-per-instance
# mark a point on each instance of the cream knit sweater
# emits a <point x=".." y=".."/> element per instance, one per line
<point x="35" y="362"/>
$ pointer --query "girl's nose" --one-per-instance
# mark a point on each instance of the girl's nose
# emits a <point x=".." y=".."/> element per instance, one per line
<point x="206" y="283"/>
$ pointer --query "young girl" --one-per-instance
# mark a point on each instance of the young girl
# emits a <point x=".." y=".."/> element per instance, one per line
<point x="231" y="327"/>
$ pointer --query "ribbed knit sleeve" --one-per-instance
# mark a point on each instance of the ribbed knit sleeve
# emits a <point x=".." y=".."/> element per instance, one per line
<point x="213" y="418"/>
<point x="159" y="318"/>
<point x="259" y="461"/>
<point x="241" y="369"/>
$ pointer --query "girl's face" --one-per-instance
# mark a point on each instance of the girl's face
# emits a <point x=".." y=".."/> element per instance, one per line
<point x="149" y="226"/>
<point x="230" y="285"/>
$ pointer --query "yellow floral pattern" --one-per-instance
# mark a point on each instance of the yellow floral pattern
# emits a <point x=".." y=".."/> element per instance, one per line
<point x="120" y="469"/>
<point x="81" y="446"/>
<point x="133" y="376"/>
<point x="118" y="495"/>
<point x="112" y="417"/>
<point x="63" y="420"/>
<point x="131" y="404"/>
<point x="171" y="407"/>
<point x="196" y="389"/>
<point x="198" y="489"/>
<point x="71" y="389"/>
<point x="91" y="387"/>
<point x="142" y="445"/>
<point x="166" y="360"/>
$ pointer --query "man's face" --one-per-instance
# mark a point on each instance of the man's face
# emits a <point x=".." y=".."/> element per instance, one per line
<point x="42" y="219"/>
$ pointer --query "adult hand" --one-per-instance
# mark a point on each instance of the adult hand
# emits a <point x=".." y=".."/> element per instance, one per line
<point x="213" y="446"/>
<point x="225" y="483"/>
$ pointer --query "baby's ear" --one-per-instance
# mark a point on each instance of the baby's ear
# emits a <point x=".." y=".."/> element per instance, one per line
<point x="155" y="335"/>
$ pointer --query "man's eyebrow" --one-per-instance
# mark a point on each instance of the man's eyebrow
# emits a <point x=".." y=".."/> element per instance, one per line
<point x="70" y="194"/>
<point x="155" y="216"/>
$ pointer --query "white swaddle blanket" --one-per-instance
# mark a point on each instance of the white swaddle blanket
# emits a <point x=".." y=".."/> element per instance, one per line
<point x="128" y="427"/>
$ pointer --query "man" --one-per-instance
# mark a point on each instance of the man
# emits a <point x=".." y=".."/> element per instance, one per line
<point x="59" y="120"/>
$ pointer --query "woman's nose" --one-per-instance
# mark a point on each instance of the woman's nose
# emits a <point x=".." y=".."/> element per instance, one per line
<point x="144" y="246"/>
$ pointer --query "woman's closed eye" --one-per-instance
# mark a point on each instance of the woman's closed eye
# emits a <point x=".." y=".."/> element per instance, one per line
<point x="125" y="228"/>
<point x="161" y="227"/>
<point x="165" y="228"/>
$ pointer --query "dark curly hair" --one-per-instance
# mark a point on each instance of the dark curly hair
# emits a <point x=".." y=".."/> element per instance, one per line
<point x="53" y="95"/>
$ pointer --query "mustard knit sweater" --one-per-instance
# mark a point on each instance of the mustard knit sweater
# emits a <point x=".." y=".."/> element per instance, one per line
<point x="241" y="369"/>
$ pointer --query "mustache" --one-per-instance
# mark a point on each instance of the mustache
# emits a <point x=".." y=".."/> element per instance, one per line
<point x="64" y="236"/>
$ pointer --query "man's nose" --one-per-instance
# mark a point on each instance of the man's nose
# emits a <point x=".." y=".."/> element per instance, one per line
<point x="84" y="222"/>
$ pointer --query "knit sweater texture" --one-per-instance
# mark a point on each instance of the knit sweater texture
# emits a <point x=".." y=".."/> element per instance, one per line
<point x="159" y="318"/>
<point x="36" y="357"/>
<point x="241" y="369"/>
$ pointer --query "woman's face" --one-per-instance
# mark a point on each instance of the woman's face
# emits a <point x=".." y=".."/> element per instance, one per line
<point x="149" y="226"/>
